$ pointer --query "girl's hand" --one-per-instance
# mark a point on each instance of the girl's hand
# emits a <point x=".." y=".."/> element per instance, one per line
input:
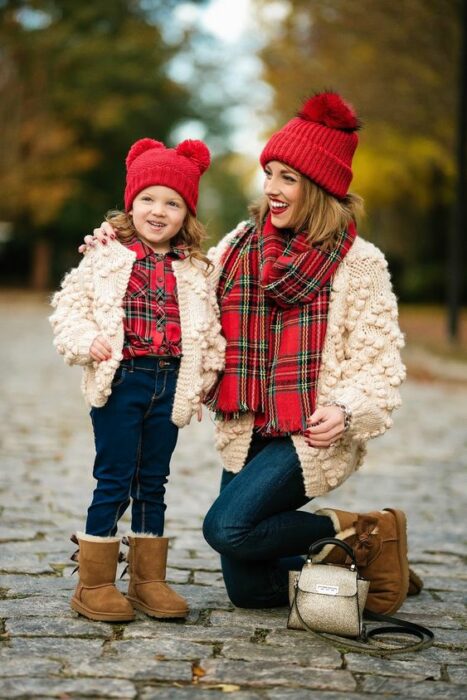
<point x="100" y="235"/>
<point x="100" y="349"/>
<point x="325" y="427"/>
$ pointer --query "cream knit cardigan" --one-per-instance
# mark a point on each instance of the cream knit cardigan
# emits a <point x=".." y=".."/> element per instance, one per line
<point x="89" y="304"/>
<point x="360" y="368"/>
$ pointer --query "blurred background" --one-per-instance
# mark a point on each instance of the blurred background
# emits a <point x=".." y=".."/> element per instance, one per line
<point x="80" y="81"/>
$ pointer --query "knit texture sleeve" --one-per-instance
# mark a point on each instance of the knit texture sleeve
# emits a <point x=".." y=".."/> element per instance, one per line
<point x="214" y="353"/>
<point x="72" y="320"/>
<point x="372" y="370"/>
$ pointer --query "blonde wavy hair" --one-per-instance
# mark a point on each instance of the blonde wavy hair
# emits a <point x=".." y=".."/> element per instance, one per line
<point x="320" y="214"/>
<point x="190" y="235"/>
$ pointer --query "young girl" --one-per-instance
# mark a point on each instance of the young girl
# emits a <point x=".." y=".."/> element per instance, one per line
<point x="142" y="319"/>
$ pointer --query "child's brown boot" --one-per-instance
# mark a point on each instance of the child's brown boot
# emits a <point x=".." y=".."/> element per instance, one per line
<point x="96" y="596"/>
<point x="148" y="590"/>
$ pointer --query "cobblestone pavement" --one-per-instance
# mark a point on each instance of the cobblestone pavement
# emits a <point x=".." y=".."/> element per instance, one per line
<point x="46" y="650"/>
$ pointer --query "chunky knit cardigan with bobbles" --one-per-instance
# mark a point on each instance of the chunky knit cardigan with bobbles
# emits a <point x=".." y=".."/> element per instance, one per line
<point x="360" y="368"/>
<point x="90" y="304"/>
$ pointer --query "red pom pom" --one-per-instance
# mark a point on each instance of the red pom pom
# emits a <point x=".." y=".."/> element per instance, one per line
<point x="329" y="109"/>
<point x="196" y="151"/>
<point x="140" y="147"/>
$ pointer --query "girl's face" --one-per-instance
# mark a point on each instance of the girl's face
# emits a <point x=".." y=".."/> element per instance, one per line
<point x="158" y="215"/>
<point x="282" y="187"/>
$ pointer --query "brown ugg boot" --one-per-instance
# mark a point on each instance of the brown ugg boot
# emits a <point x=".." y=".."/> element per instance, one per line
<point x="95" y="596"/>
<point x="147" y="589"/>
<point x="379" y="541"/>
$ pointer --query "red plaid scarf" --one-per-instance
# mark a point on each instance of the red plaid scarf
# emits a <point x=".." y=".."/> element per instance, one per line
<point x="274" y="295"/>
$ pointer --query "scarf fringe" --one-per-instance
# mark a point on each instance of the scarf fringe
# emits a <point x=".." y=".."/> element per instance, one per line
<point x="269" y="429"/>
<point x="285" y="427"/>
<point x="231" y="415"/>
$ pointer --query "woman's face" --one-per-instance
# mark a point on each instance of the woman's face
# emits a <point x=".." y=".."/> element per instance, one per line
<point x="282" y="187"/>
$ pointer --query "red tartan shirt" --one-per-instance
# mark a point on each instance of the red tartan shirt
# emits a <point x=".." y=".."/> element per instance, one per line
<point x="152" y="320"/>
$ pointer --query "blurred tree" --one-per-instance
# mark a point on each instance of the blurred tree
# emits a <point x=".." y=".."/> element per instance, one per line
<point x="397" y="63"/>
<point x="223" y="203"/>
<point x="78" y="83"/>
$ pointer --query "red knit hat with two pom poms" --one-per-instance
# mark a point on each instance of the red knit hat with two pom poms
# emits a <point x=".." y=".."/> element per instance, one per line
<point x="150" y="163"/>
<point x="319" y="142"/>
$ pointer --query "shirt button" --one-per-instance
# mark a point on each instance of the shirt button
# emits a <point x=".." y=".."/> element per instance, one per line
<point x="160" y="279"/>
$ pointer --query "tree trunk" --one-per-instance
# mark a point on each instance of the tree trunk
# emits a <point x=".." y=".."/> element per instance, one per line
<point x="40" y="272"/>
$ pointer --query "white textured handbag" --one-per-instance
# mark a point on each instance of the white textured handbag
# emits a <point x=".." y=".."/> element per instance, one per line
<point x="326" y="597"/>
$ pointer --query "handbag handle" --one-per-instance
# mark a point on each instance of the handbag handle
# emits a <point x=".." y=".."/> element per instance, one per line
<point x="332" y="540"/>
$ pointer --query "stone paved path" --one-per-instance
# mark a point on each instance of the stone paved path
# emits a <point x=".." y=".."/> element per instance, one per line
<point x="46" y="650"/>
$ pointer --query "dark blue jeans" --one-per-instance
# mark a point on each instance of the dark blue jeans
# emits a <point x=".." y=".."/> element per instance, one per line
<point x="255" y="525"/>
<point x="134" y="439"/>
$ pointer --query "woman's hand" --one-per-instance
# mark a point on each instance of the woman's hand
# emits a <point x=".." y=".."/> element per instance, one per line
<point x="100" y="235"/>
<point x="100" y="349"/>
<point x="325" y="426"/>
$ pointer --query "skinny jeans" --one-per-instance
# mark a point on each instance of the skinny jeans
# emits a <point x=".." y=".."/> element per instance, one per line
<point x="134" y="438"/>
<point x="255" y="526"/>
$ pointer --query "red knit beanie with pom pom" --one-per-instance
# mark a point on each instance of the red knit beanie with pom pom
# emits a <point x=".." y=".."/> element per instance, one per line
<point x="319" y="142"/>
<point x="150" y="163"/>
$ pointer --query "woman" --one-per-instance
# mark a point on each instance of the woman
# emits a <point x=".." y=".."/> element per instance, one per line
<point x="312" y="369"/>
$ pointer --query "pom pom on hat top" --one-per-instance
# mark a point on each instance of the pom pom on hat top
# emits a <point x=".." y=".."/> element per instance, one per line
<point x="319" y="142"/>
<point x="150" y="163"/>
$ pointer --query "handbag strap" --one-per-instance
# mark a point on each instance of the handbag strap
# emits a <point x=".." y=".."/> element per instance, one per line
<point x="398" y="626"/>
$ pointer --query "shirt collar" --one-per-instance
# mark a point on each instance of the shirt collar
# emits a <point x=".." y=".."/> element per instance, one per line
<point x="143" y="251"/>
